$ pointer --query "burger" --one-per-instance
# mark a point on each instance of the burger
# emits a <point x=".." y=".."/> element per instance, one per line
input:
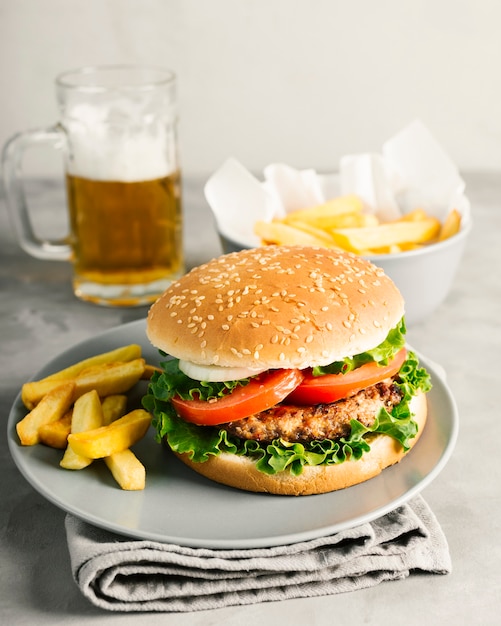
<point x="285" y="370"/>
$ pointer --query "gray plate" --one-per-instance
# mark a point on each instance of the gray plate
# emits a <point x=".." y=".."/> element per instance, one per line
<point x="179" y="506"/>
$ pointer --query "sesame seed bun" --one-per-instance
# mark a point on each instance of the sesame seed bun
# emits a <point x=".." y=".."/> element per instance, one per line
<point x="276" y="307"/>
<point x="240" y="472"/>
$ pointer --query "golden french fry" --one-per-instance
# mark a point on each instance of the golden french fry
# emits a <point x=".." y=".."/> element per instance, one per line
<point x="451" y="225"/>
<point x="124" y="353"/>
<point x="284" y="234"/>
<point x="117" y="436"/>
<point x="51" y="408"/>
<point x="113" y="407"/>
<point x="33" y="392"/>
<point x="332" y="208"/>
<point x="125" y="467"/>
<point x="310" y="228"/>
<point x="403" y="247"/>
<point x="87" y="415"/>
<point x="107" y="379"/>
<point x="55" y="434"/>
<point x="110" y="378"/>
<point x="149" y="369"/>
<point x="393" y="249"/>
<point x="389" y="234"/>
<point x="350" y="220"/>
<point x="127" y="470"/>
<point x="415" y="215"/>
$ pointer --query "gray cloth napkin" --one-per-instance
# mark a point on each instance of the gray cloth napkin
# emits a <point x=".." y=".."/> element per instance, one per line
<point x="119" y="574"/>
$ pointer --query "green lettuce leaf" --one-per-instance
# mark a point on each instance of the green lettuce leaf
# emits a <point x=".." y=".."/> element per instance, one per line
<point x="381" y="354"/>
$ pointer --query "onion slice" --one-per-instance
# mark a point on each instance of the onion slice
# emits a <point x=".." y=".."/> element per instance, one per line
<point x="216" y="373"/>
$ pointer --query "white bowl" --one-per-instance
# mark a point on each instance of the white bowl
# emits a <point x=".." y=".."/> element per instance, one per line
<point x="423" y="276"/>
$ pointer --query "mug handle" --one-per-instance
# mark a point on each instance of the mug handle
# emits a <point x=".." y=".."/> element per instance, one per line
<point x="12" y="158"/>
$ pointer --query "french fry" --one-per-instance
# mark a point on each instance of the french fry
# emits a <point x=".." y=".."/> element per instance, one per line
<point x="55" y="434"/>
<point x="51" y="408"/>
<point x="315" y="231"/>
<point x="332" y="208"/>
<point x="389" y="234"/>
<point x="350" y="220"/>
<point x="124" y="466"/>
<point x="451" y="225"/>
<point x="127" y="470"/>
<point x="87" y="415"/>
<point x="110" y="378"/>
<point x="125" y="353"/>
<point x="107" y="379"/>
<point x="284" y="234"/>
<point x="149" y="369"/>
<point x="117" y="436"/>
<point x="33" y="392"/>
<point x="113" y="407"/>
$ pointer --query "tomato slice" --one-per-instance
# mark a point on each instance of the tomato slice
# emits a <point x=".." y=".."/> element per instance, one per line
<point x="261" y="393"/>
<point x="332" y="387"/>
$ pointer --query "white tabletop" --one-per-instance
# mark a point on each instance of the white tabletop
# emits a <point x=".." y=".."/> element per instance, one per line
<point x="40" y="318"/>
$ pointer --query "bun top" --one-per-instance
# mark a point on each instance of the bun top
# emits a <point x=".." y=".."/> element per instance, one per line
<point x="276" y="307"/>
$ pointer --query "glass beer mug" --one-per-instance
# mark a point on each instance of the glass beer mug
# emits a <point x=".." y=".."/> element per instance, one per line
<point x="117" y="131"/>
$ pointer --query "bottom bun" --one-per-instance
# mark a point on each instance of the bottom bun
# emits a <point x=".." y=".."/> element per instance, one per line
<point x="240" y="472"/>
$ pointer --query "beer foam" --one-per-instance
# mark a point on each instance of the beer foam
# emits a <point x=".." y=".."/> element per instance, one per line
<point x="120" y="143"/>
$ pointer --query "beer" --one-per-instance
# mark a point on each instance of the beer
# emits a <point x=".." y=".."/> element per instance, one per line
<point x="126" y="237"/>
<point x="118" y="132"/>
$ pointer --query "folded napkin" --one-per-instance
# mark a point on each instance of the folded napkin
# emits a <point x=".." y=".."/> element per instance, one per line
<point x="128" y="575"/>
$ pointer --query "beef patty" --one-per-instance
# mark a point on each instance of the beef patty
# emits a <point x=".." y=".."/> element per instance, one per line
<point x="322" y="421"/>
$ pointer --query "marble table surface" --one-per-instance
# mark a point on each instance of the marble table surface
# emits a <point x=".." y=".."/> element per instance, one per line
<point x="40" y="317"/>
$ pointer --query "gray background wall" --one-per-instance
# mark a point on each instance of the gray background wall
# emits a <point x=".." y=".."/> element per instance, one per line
<point x="298" y="81"/>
